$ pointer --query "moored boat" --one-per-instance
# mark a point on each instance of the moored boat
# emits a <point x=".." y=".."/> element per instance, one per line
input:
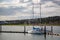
<point x="36" y="31"/>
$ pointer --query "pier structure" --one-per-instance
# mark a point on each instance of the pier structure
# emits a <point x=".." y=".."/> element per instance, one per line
<point x="45" y="33"/>
<point x="56" y="34"/>
<point x="50" y="32"/>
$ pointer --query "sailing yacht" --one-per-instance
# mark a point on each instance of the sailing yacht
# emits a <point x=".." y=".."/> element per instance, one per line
<point x="37" y="30"/>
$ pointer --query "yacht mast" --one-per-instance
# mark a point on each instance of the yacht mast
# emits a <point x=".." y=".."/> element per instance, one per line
<point x="33" y="12"/>
<point x="40" y="12"/>
<point x="38" y="3"/>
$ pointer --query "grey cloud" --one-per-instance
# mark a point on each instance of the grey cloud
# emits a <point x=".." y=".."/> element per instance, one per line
<point x="45" y="0"/>
<point x="11" y="10"/>
<point x="57" y="2"/>
<point x="54" y="13"/>
<point x="51" y="6"/>
<point x="5" y="0"/>
<point x="54" y="1"/>
<point x="5" y="11"/>
<point x="25" y="1"/>
<point x="1" y="0"/>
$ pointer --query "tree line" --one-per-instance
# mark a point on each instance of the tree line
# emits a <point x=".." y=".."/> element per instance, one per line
<point x="46" y="20"/>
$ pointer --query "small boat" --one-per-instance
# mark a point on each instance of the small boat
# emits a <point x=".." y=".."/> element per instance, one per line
<point x="36" y="31"/>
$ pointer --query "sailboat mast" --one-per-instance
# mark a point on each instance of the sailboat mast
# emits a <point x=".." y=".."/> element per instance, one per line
<point x="33" y="13"/>
<point x="33" y="9"/>
<point x="40" y="13"/>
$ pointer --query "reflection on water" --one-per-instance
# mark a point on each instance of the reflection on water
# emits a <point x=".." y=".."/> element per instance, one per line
<point x="21" y="36"/>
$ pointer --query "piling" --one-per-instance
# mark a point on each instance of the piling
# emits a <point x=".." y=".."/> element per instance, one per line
<point x="0" y="28"/>
<point x="45" y="30"/>
<point x="24" y="29"/>
<point x="52" y="29"/>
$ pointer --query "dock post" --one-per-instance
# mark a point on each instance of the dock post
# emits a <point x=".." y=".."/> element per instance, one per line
<point x="45" y="30"/>
<point x="24" y="29"/>
<point x="0" y="28"/>
<point x="52" y="29"/>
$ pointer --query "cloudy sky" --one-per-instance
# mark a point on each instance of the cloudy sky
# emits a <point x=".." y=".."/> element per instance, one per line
<point x="22" y="9"/>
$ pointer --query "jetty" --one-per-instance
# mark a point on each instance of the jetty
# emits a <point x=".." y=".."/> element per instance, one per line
<point x="12" y="32"/>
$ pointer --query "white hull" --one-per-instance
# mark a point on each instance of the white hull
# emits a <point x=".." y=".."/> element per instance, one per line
<point x="35" y="32"/>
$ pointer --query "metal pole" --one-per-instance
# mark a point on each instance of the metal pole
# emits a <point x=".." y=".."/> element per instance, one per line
<point x="33" y="12"/>
<point x="40" y="12"/>
<point x="45" y="30"/>
<point x="24" y="29"/>
<point x="52" y="29"/>
<point x="0" y="28"/>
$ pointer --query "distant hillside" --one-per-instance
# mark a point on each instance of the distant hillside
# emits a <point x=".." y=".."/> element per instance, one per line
<point x="47" y="20"/>
<point x="51" y="20"/>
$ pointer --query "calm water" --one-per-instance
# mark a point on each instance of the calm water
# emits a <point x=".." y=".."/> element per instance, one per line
<point x="21" y="36"/>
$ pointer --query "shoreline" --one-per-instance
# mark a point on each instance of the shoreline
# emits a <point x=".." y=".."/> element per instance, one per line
<point x="32" y="25"/>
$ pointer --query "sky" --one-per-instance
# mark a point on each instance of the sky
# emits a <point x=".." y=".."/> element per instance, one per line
<point x="22" y="9"/>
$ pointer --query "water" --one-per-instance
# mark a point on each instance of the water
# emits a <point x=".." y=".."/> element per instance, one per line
<point x="22" y="36"/>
